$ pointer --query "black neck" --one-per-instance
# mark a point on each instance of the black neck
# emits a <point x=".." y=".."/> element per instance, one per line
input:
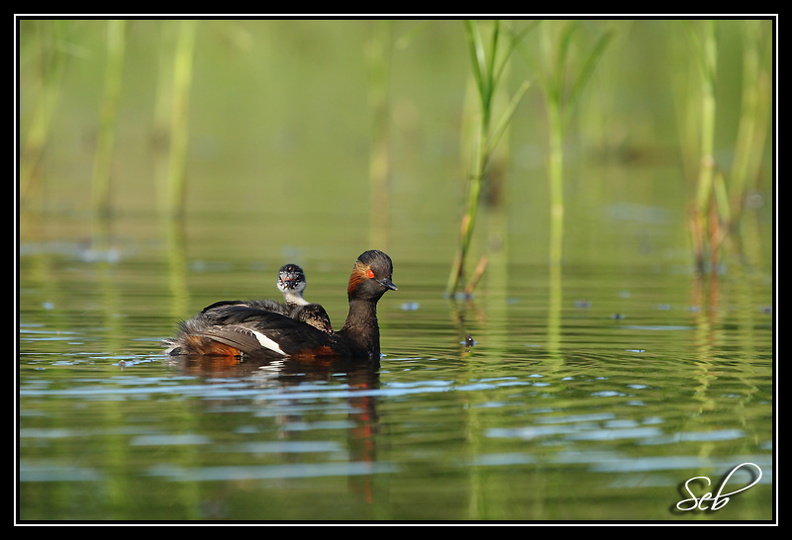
<point x="361" y="330"/>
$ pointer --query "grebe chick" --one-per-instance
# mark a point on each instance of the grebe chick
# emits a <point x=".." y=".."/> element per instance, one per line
<point x="291" y="283"/>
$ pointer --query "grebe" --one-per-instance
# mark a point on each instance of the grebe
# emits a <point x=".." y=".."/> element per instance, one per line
<point x="234" y="329"/>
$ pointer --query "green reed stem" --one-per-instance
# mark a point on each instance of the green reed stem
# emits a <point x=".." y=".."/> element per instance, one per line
<point x="47" y="38"/>
<point x="708" y="64"/>
<point x="108" y="121"/>
<point x="179" y="121"/>
<point x="562" y="86"/>
<point x="378" y="54"/>
<point x="483" y="79"/>
<point x="754" y="113"/>
<point x="561" y="97"/>
<point x="718" y="204"/>
<point x="556" y="179"/>
<point x="486" y="72"/>
<point x="709" y="191"/>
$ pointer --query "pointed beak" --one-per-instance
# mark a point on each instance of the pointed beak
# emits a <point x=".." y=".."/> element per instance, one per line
<point x="388" y="284"/>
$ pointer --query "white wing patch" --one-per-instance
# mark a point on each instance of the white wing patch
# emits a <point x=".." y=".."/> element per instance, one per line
<point x="266" y="342"/>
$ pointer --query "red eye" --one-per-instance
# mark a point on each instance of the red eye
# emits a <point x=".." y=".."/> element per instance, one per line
<point x="369" y="273"/>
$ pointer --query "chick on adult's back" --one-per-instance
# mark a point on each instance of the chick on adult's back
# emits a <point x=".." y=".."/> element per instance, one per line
<point x="231" y="328"/>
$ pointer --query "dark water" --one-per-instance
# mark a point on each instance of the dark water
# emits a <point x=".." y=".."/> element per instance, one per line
<point x="600" y="409"/>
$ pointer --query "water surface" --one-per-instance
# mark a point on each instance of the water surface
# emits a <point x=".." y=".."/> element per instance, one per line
<point x="643" y="378"/>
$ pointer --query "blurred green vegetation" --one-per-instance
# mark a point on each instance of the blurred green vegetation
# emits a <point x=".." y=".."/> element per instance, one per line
<point x="370" y="123"/>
